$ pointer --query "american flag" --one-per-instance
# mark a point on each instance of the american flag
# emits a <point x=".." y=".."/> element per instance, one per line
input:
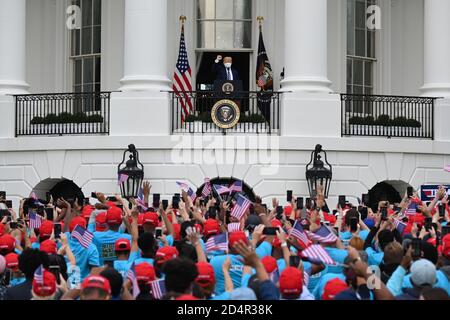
<point x="39" y="275"/>
<point x="236" y="186"/>
<point x="131" y="275"/>
<point x="219" y="242"/>
<point x="83" y="236"/>
<point x="316" y="253"/>
<point x="274" y="276"/>
<point x="206" y="188"/>
<point x="241" y="206"/>
<point x="235" y="226"/>
<point x="158" y="288"/>
<point x="35" y="220"/>
<point x="140" y="199"/>
<point x="323" y="234"/>
<point x="182" y="79"/>
<point x="305" y="278"/>
<point x="122" y="178"/>
<point x="190" y="192"/>
<point x="221" y="189"/>
<point x="399" y="225"/>
<point x="411" y="210"/>
<point x="298" y="233"/>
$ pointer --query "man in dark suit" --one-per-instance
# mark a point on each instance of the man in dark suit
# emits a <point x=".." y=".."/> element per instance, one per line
<point x="224" y="71"/>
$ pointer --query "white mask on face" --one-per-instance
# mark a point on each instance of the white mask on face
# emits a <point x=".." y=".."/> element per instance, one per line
<point x="227" y="65"/>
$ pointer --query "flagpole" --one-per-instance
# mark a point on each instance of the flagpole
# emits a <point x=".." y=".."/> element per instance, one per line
<point x="182" y="19"/>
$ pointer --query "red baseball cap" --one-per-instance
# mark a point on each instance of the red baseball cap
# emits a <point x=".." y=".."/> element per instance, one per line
<point x="288" y="210"/>
<point x="48" y="246"/>
<point x="211" y="226"/>
<point x="122" y="245"/>
<point x="270" y="264"/>
<point x="48" y="287"/>
<point x="291" y="281"/>
<point x="151" y="217"/>
<point x="46" y="229"/>
<point x="236" y="236"/>
<point x="333" y="288"/>
<point x="140" y="220"/>
<point x="100" y="222"/>
<point x="87" y="211"/>
<point x="77" y="221"/>
<point x="96" y="282"/>
<point x="166" y="253"/>
<point x="114" y="216"/>
<point x="2" y="229"/>
<point x="7" y="242"/>
<point x="12" y="261"/>
<point x="446" y="246"/>
<point x="206" y="274"/>
<point x="145" y="273"/>
<point x="275" y="223"/>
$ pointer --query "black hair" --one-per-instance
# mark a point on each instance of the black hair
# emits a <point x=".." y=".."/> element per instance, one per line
<point x="385" y="237"/>
<point x="184" y="226"/>
<point x="186" y="250"/>
<point x="30" y="260"/>
<point x="352" y="213"/>
<point x="115" y="280"/>
<point x="58" y="260"/>
<point x="198" y="292"/>
<point x="145" y="292"/>
<point x="147" y="244"/>
<point x="429" y="252"/>
<point x="90" y="291"/>
<point x="254" y="284"/>
<point x="180" y="274"/>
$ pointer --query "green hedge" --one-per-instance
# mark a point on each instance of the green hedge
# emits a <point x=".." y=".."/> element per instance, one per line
<point x="65" y="117"/>
<point x="384" y="120"/>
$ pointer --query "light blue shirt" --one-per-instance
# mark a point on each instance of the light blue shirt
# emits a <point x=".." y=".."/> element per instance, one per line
<point x="347" y="235"/>
<point x="85" y="257"/>
<point x="338" y="255"/>
<point x="374" y="257"/>
<point x="122" y="266"/>
<point x="105" y="240"/>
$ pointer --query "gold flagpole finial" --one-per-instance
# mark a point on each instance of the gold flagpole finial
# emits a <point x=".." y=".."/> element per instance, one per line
<point x="260" y="20"/>
<point x="182" y="19"/>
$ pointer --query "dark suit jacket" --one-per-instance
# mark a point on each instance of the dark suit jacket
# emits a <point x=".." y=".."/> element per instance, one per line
<point x="220" y="72"/>
<point x="20" y="292"/>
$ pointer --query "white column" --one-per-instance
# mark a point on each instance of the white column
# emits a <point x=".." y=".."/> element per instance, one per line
<point x="145" y="46"/>
<point x="12" y="47"/>
<point x="306" y="46"/>
<point x="437" y="48"/>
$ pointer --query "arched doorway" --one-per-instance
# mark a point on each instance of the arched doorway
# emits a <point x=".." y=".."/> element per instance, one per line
<point x="58" y="188"/>
<point x="391" y="191"/>
<point x="247" y="191"/>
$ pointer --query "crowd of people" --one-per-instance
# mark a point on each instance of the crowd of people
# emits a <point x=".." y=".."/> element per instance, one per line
<point x="197" y="247"/>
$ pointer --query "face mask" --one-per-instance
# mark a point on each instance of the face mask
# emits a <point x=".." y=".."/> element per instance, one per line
<point x="227" y="65"/>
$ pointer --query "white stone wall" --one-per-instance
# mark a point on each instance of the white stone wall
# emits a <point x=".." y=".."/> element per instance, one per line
<point x="354" y="172"/>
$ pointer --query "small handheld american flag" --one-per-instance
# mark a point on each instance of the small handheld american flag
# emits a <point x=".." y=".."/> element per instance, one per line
<point x="39" y="275"/>
<point x="131" y="275"/>
<point x="83" y="236"/>
<point x="158" y="289"/>
<point x="140" y="199"/>
<point x="399" y="225"/>
<point x="190" y="192"/>
<point x="234" y="226"/>
<point x="221" y="189"/>
<point x="206" y="188"/>
<point x="35" y="220"/>
<point x="219" y="242"/>
<point x="411" y="209"/>
<point x="323" y="234"/>
<point x="316" y="253"/>
<point x="236" y="186"/>
<point x="241" y="206"/>
<point x="299" y="233"/>
<point x="122" y="178"/>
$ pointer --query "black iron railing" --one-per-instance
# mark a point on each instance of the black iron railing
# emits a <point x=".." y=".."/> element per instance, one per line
<point x="62" y="113"/>
<point x="387" y="116"/>
<point x="259" y="112"/>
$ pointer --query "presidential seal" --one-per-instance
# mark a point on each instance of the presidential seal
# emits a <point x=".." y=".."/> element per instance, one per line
<point x="225" y="114"/>
<point x="228" y="88"/>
